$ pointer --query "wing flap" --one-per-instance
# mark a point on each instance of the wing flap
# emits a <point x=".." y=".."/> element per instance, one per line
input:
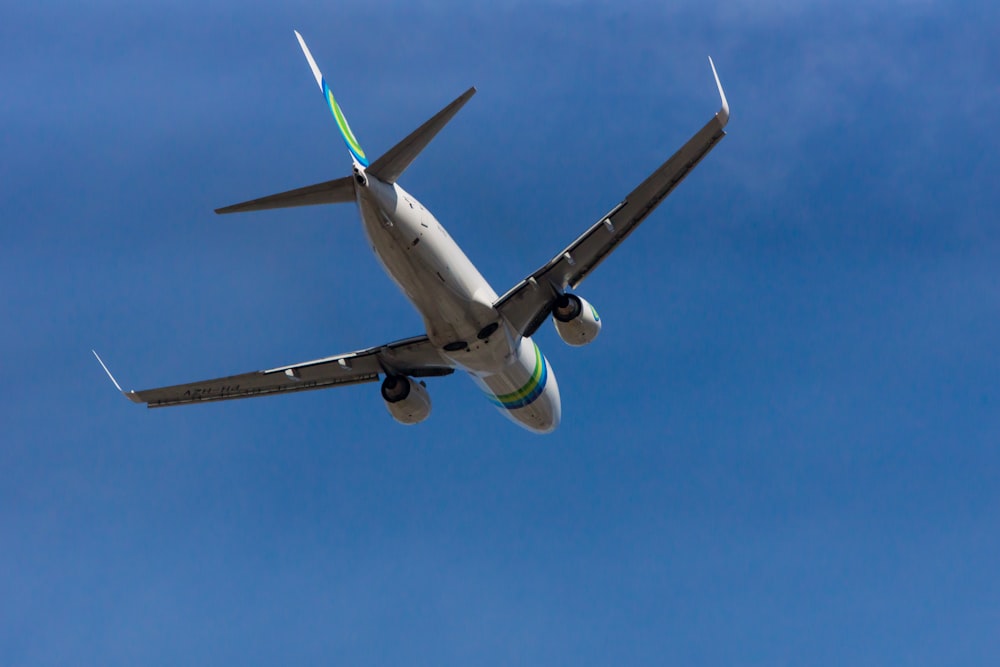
<point x="413" y="356"/>
<point x="337" y="191"/>
<point x="247" y="385"/>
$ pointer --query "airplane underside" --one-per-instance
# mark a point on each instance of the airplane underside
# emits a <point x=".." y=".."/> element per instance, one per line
<point x="468" y="326"/>
<point x="455" y="302"/>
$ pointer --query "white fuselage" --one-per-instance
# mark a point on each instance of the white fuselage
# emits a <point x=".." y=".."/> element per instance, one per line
<point x="456" y="304"/>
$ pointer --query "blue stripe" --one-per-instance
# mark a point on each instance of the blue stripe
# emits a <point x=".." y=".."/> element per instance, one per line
<point x="345" y="129"/>
<point x="530" y="398"/>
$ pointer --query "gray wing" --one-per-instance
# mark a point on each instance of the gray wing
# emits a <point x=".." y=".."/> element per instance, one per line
<point x="414" y="356"/>
<point x="529" y="302"/>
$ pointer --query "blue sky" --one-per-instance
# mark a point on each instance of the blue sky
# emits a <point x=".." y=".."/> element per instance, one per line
<point x="781" y="450"/>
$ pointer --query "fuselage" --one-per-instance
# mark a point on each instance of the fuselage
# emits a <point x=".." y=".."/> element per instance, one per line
<point x="456" y="304"/>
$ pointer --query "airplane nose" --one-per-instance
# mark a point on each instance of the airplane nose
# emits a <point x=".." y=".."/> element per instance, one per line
<point x="547" y="424"/>
<point x="542" y="416"/>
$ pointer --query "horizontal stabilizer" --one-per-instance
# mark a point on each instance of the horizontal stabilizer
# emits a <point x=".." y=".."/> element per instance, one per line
<point x="337" y="191"/>
<point x="390" y="166"/>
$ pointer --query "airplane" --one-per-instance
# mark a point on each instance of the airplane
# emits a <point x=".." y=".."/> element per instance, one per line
<point x="469" y="327"/>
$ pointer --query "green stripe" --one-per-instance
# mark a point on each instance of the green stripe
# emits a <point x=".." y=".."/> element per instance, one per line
<point x="530" y="385"/>
<point x="345" y="129"/>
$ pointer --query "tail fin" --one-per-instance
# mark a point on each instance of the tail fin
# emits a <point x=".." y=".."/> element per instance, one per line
<point x="345" y="130"/>
<point x="390" y="166"/>
<point x="387" y="168"/>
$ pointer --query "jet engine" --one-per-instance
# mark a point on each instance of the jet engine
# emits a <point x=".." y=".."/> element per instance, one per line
<point x="406" y="399"/>
<point x="576" y="320"/>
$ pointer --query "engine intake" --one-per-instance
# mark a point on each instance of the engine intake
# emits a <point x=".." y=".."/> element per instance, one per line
<point x="407" y="400"/>
<point x="577" y="322"/>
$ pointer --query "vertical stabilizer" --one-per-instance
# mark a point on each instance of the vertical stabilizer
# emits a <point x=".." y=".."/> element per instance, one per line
<point x="345" y="130"/>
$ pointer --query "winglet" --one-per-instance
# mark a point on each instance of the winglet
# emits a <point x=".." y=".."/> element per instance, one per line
<point x="723" y="114"/>
<point x="101" y="362"/>
<point x="130" y="395"/>
<point x="345" y="130"/>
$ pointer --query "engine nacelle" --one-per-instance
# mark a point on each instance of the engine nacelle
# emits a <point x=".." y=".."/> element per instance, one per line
<point x="406" y="399"/>
<point x="576" y="320"/>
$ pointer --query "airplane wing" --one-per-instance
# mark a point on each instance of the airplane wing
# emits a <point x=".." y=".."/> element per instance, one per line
<point x="416" y="357"/>
<point x="529" y="302"/>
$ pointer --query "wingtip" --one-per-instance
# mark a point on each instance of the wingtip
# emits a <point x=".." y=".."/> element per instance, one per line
<point x="467" y="95"/>
<point x="723" y="114"/>
<point x="233" y="208"/>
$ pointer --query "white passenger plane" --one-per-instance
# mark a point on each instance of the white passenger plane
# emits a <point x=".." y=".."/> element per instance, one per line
<point x="468" y="326"/>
